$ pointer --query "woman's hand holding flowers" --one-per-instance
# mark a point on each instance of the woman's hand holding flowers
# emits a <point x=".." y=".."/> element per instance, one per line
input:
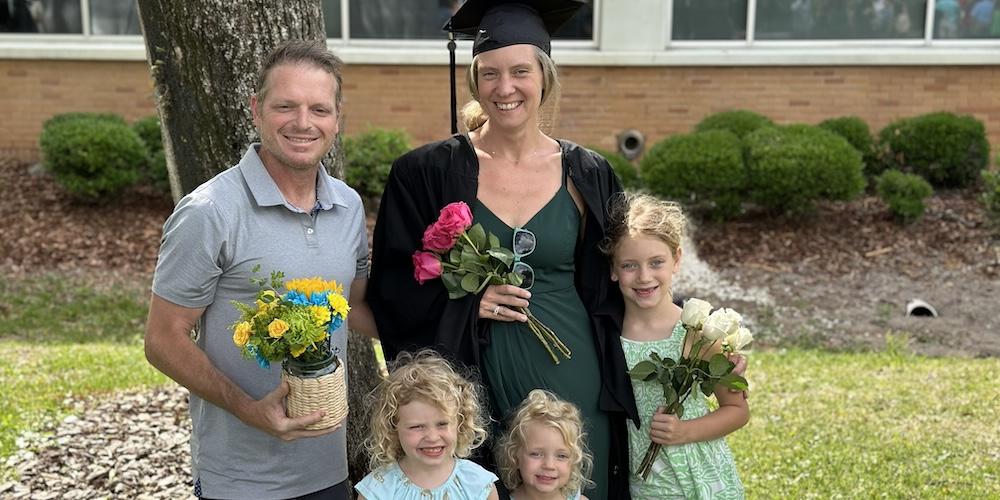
<point x="502" y="299"/>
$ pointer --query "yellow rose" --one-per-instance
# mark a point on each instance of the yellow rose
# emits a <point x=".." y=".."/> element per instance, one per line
<point x="277" y="328"/>
<point x="241" y="334"/>
<point x="297" y="351"/>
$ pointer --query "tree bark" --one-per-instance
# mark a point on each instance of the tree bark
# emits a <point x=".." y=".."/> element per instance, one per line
<point x="204" y="56"/>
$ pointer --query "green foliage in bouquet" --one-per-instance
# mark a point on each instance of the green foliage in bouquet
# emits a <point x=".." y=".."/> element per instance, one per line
<point x="296" y="324"/>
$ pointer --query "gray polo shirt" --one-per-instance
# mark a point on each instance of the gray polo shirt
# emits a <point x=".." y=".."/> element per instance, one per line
<point x="211" y="242"/>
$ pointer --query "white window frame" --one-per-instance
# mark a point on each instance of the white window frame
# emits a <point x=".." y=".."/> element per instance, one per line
<point x="626" y="33"/>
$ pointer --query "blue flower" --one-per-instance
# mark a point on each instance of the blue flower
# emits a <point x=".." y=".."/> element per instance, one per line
<point x="297" y="298"/>
<point x="261" y="360"/>
<point x="320" y="299"/>
<point x="335" y="323"/>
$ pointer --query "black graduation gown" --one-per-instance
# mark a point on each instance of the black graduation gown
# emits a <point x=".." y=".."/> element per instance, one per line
<point x="411" y="316"/>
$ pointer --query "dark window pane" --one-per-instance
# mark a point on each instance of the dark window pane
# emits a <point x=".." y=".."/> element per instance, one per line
<point x="408" y="19"/>
<point x="423" y="19"/>
<point x="40" y="16"/>
<point x="709" y="20"/>
<point x="114" y="17"/>
<point x="966" y="19"/>
<point x="331" y="18"/>
<point x="840" y="19"/>
<point x="580" y="26"/>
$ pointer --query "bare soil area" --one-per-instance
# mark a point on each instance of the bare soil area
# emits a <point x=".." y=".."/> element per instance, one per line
<point x="839" y="278"/>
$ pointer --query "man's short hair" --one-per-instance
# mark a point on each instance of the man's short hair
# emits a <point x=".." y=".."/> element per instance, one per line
<point x="312" y="52"/>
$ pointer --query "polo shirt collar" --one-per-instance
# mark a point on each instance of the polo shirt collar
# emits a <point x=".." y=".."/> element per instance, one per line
<point x="266" y="192"/>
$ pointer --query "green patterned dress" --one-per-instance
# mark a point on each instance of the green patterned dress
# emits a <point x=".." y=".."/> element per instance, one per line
<point x="689" y="471"/>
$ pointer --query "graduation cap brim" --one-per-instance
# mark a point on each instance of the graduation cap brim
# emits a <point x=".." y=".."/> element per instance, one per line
<point x="499" y="23"/>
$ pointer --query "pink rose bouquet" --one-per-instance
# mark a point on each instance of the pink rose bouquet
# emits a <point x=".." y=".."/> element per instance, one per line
<point x="468" y="259"/>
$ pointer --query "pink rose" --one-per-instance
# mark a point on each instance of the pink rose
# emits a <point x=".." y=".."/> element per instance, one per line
<point x="426" y="266"/>
<point x="455" y="218"/>
<point x="436" y="239"/>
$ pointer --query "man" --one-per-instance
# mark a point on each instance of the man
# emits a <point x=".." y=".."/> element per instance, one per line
<point x="279" y="209"/>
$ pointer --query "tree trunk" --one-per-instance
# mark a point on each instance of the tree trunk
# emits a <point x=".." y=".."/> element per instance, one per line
<point x="204" y="56"/>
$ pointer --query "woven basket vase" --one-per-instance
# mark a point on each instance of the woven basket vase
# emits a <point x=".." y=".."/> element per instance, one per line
<point x="325" y="392"/>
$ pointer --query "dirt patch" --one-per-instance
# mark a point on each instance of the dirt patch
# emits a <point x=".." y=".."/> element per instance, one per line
<point x="839" y="278"/>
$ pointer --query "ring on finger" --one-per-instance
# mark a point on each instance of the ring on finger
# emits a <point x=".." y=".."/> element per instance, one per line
<point x="496" y="310"/>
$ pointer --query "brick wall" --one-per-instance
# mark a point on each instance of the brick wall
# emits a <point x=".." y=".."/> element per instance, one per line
<point x="597" y="103"/>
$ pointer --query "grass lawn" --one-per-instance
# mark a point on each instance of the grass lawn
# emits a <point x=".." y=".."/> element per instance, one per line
<point x="824" y="425"/>
<point x="867" y="425"/>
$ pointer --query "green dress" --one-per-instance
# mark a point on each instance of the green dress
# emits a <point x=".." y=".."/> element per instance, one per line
<point x="515" y="362"/>
<point x="690" y="471"/>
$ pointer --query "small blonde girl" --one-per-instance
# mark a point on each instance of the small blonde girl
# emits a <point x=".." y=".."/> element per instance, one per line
<point x="543" y="455"/>
<point x="644" y="243"/>
<point x="426" y="419"/>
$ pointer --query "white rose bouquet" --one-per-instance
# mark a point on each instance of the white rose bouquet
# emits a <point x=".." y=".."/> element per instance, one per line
<point x="680" y="377"/>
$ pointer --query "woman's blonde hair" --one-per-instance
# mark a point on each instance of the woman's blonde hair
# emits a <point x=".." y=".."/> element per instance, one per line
<point x="429" y="378"/>
<point x="473" y="114"/>
<point x="544" y="408"/>
<point x="635" y="214"/>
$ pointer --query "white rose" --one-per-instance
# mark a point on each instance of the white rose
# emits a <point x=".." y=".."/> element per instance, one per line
<point x="736" y="342"/>
<point x="695" y="312"/>
<point x="721" y="323"/>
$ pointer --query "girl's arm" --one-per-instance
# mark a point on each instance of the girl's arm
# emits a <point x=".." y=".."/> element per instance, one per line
<point x="494" y="495"/>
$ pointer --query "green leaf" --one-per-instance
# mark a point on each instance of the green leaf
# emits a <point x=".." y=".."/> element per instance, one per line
<point x="643" y="370"/>
<point x="478" y="236"/>
<point x="655" y="356"/>
<point x="669" y="395"/>
<point x="668" y="363"/>
<point x="514" y="279"/>
<point x="494" y="241"/>
<point x="457" y="294"/>
<point x="470" y="282"/>
<point x="719" y="365"/>
<point x="503" y="255"/>
<point x="734" y="381"/>
<point x="451" y="282"/>
<point x="455" y="256"/>
<point x="707" y="386"/>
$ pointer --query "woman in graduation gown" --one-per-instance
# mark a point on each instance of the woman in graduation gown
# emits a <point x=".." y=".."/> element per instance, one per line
<point x="554" y="195"/>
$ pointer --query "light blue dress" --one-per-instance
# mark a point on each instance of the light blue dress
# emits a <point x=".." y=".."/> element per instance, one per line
<point x="575" y="496"/>
<point x="468" y="481"/>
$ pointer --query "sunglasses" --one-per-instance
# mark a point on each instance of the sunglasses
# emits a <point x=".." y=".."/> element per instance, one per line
<point x="523" y="245"/>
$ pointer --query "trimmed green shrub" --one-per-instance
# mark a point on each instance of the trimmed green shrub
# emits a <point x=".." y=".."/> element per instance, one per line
<point x="368" y="158"/>
<point x="948" y="150"/>
<point x="791" y="167"/>
<point x="93" y="158"/>
<point x="700" y="167"/>
<point x="904" y="193"/>
<point x="991" y="194"/>
<point x="857" y="133"/>
<point x="63" y="117"/>
<point x="739" y="121"/>
<point x="627" y="173"/>
<point x="155" y="173"/>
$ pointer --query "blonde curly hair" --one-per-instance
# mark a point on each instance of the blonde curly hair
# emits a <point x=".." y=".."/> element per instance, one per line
<point x="635" y="214"/>
<point x="543" y="407"/>
<point x="427" y="377"/>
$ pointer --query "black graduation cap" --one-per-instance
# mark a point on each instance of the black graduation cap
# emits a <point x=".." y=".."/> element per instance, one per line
<point x="499" y="23"/>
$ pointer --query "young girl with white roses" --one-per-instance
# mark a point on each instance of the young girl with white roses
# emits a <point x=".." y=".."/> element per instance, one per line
<point x="643" y="241"/>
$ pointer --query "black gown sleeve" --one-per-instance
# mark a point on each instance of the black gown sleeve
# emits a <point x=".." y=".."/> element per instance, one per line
<point x="411" y="316"/>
